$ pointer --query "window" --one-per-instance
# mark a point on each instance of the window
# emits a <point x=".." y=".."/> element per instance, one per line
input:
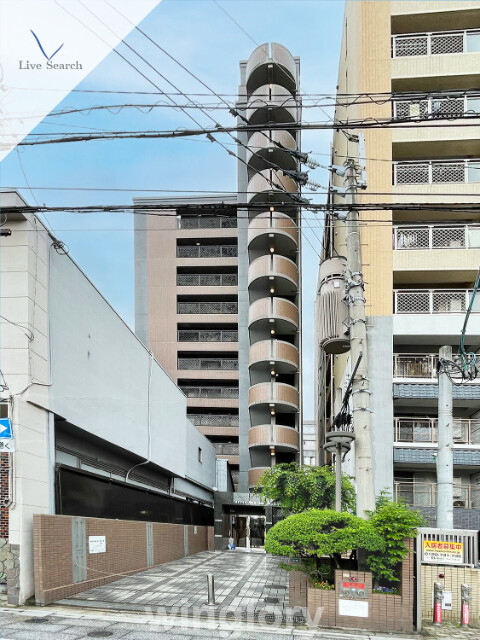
<point x="200" y="455"/>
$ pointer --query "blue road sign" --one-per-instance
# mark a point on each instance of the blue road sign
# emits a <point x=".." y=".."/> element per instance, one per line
<point x="6" y="428"/>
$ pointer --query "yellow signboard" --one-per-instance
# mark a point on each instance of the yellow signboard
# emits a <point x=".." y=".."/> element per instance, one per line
<point x="442" y="552"/>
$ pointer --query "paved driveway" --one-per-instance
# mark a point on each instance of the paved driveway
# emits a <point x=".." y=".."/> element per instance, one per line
<point x="248" y="586"/>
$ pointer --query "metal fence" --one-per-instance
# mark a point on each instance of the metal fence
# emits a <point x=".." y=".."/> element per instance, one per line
<point x="424" y="494"/>
<point x="437" y="107"/>
<point x="436" y="172"/>
<point x="422" y="301"/>
<point x="425" y="430"/>
<point x="190" y="335"/>
<point x="226" y="449"/>
<point x="208" y="364"/>
<point x="468" y="539"/>
<point x="436" y="237"/>
<point x="202" y="308"/>
<point x="210" y="392"/>
<point x="213" y="420"/>
<point x="437" y="43"/>
<point x="412" y="365"/>
<point x="206" y="222"/>
<point x="207" y="279"/>
<point x="207" y="251"/>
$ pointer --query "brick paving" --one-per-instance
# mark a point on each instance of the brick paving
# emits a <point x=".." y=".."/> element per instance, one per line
<point x="247" y="586"/>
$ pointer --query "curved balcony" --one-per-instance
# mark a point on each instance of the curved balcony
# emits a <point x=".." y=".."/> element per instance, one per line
<point x="271" y="186"/>
<point x="283" y="71"/>
<point x="254" y="475"/>
<point x="267" y="313"/>
<point x="266" y="435"/>
<point x="272" y="103"/>
<point x="273" y="271"/>
<point x="285" y="356"/>
<point x="263" y="148"/>
<point x="283" y="396"/>
<point x="283" y="228"/>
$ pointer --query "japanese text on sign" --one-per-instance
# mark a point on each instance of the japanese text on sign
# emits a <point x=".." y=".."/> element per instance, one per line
<point x="442" y="552"/>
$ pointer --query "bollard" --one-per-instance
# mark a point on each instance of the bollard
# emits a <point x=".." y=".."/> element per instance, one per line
<point x="211" y="589"/>
<point x="466" y="596"/>
<point x="437" y="602"/>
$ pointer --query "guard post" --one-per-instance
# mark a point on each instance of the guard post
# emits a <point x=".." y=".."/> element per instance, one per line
<point x="466" y="596"/>
<point x="437" y="602"/>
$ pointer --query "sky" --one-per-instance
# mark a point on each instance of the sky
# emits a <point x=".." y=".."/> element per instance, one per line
<point x="204" y="39"/>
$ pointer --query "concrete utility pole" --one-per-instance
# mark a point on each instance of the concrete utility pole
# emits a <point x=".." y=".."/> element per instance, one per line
<point x="358" y="339"/>
<point x="445" y="445"/>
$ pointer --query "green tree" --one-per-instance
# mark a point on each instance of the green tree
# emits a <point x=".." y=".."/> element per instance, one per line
<point x="315" y="533"/>
<point x="394" y="522"/>
<point x="297" y="488"/>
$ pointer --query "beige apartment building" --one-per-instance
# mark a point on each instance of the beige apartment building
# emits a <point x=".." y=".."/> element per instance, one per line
<point x="418" y="266"/>
<point x="218" y="295"/>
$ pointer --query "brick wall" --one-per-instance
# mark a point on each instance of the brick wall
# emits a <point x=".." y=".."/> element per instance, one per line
<point x="386" y="612"/>
<point x="126" y="552"/>
<point x="453" y="578"/>
<point x="4" y="495"/>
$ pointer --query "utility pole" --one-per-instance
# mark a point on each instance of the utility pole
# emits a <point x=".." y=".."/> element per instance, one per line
<point x="445" y="443"/>
<point x="358" y="340"/>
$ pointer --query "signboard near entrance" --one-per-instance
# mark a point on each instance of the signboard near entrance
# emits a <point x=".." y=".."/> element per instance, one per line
<point x="442" y="552"/>
<point x="97" y="544"/>
<point x="356" y="608"/>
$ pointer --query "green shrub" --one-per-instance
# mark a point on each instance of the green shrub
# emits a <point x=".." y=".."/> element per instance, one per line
<point x="315" y="533"/>
<point x="394" y="522"/>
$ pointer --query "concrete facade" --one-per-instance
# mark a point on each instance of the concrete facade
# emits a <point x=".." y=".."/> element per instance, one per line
<point x="417" y="287"/>
<point x="82" y="392"/>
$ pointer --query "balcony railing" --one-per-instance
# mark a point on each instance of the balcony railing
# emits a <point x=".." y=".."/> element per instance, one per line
<point x="436" y="172"/>
<point x="206" y="222"/>
<point x="425" y="430"/>
<point x="202" y="308"/>
<point x="411" y="365"/>
<point x="210" y="392"/>
<point x="190" y="335"/>
<point x="207" y="251"/>
<point x="437" y="43"/>
<point x="207" y="279"/>
<point x="433" y="301"/>
<point x="424" y="494"/>
<point x="437" y="107"/>
<point x="208" y="364"/>
<point x="437" y="237"/>
<point x="226" y="449"/>
<point x="213" y="420"/>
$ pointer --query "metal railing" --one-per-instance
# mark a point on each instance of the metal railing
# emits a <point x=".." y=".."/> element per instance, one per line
<point x="207" y="307"/>
<point x="435" y="43"/>
<point x="436" y="172"/>
<point x="206" y="222"/>
<point x="425" y="430"/>
<point x="467" y="537"/>
<point x="190" y="335"/>
<point x="454" y="106"/>
<point x="213" y="420"/>
<point x="420" y="301"/>
<point x="414" y="365"/>
<point x="208" y="364"/>
<point x="207" y="279"/>
<point x="207" y="251"/>
<point x="437" y="237"/>
<point x="424" y="494"/>
<point x="226" y="449"/>
<point x="210" y="392"/>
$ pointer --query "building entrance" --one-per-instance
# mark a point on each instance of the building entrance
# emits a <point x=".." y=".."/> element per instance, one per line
<point x="248" y="531"/>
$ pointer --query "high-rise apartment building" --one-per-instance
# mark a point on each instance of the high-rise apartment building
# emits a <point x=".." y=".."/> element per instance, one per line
<point x="218" y="288"/>
<point x="418" y="266"/>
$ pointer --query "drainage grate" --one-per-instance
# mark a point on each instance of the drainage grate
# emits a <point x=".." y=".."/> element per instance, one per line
<point x="99" y="634"/>
<point x="38" y="620"/>
<point x="270" y="600"/>
<point x="275" y="586"/>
